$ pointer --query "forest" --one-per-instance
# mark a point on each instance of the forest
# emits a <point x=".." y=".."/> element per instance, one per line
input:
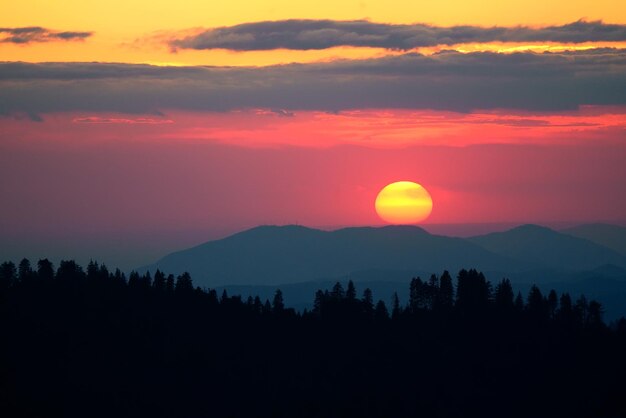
<point x="97" y="343"/>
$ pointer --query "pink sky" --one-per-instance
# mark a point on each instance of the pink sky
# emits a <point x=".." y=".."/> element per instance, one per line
<point x="88" y="176"/>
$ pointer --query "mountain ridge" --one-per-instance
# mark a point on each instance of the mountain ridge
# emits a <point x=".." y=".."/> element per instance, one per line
<point x="272" y="254"/>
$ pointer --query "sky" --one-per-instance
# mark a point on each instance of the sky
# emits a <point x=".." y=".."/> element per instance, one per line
<point x="129" y="129"/>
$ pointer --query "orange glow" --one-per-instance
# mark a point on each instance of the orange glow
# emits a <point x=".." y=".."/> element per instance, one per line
<point x="133" y="32"/>
<point x="404" y="202"/>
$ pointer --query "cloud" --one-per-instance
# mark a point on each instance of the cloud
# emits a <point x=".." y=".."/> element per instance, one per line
<point x="275" y="112"/>
<point x="31" y="34"/>
<point x="123" y="121"/>
<point x="322" y="34"/>
<point x="447" y="81"/>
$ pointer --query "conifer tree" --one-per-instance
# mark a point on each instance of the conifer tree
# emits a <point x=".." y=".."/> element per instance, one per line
<point x="45" y="270"/>
<point x="278" y="305"/>
<point x="368" y="302"/>
<point x="351" y="291"/>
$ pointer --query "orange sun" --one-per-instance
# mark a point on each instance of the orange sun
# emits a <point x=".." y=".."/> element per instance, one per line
<point x="403" y="202"/>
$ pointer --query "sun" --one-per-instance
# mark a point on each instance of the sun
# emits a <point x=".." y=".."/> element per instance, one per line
<point x="404" y="202"/>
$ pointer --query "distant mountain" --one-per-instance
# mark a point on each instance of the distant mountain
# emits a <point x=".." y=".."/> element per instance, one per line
<point x="543" y="248"/>
<point x="292" y="254"/>
<point x="610" y="236"/>
<point x="270" y="255"/>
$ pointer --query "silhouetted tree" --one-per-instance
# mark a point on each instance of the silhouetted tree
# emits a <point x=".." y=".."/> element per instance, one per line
<point x="70" y="271"/>
<point x="396" y="310"/>
<point x="594" y="314"/>
<point x="24" y="271"/>
<point x="145" y="281"/>
<point x="133" y="280"/>
<point x="92" y="270"/>
<point x="258" y="305"/>
<point x="432" y="291"/>
<point x="503" y="297"/>
<point x="8" y="274"/>
<point x="473" y="291"/>
<point x="535" y="303"/>
<point x="417" y="296"/>
<point x="351" y="291"/>
<point x="565" y="313"/>
<point x="278" y="305"/>
<point x="337" y="292"/>
<point x="581" y="308"/>
<point x="184" y="284"/>
<point x="169" y="283"/>
<point x="381" y="313"/>
<point x="119" y="278"/>
<point x="552" y="303"/>
<point x="519" y="302"/>
<point x="213" y="300"/>
<point x="368" y="302"/>
<point x="45" y="270"/>
<point x="159" y="282"/>
<point x="446" y="291"/>
<point x="318" y="302"/>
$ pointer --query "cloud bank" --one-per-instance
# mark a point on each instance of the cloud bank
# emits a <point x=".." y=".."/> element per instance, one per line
<point x="34" y="34"/>
<point x="322" y="34"/>
<point x="445" y="81"/>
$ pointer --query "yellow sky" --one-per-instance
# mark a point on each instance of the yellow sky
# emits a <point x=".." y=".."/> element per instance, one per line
<point x="122" y="27"/>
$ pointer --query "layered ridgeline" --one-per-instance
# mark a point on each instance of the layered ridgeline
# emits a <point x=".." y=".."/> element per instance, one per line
<point x="270" y="255"/>
<point x="610" y="236"/>
<point x="298" y="259"/>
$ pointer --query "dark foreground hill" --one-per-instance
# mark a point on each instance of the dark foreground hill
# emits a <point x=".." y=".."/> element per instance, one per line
<point x="94" y="344"/>
<point x="271" y="255"/>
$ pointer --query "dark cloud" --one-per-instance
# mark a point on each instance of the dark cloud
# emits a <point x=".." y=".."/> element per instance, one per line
<point x="322" y="34"/>
<point x="122" y="121"/>
<point x="447" y="80"/>
<point x="32" y="34"/>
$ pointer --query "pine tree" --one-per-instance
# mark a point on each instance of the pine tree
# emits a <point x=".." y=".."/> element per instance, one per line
<point x="395" y="303"/>
<point x="368" y="302"/>
<point x="519" y="302"/>
<point x="337" y="293"/>
<point x="594" y="314"/>
<point x="24" y="271"/>
<point x="552" y="303"/>
<point x="318" y="302"/>
<point x="184" y="283"/>
<point x="536" y="304"/>
<point x="446" y="291"/>
<point x="45" y="270"/>
<point x="504" y="296"/>
<point x="8" y="274"/>
<point x="278" y="304"/>
<point x="381" y="313"/>
<point x="416" y="295"/>
<point x="351" y="291"/>
<point x="159" y="281"/>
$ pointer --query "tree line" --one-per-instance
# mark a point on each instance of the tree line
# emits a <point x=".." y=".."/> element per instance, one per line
<point x="472" y="294"/>
<point x="98" y="342"/>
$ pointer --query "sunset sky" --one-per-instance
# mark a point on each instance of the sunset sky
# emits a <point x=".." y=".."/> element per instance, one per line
<point x="129" y="129"/>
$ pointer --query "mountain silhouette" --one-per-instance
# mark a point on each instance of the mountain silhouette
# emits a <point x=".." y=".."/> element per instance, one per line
<point x="292" y="254"/>
<point x="543" y="247"/>
<point x="610" y="236"/>
<point x="271" y="255"/>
